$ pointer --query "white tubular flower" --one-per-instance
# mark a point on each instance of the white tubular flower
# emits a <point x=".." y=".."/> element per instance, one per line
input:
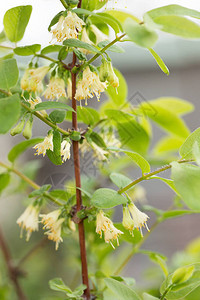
<point x="99" y="153"/>
<point x="100" y="36"/>
<point x="89" y="85"/>
<point x="71" y="225"/>
<point x="106" y="225"/>
<point x="127" y="220"/>
<point x="30" y="84"/>
<point x="29" y="220"/>
<point x="53" y="223"/>
<point x="67" y="27"/>
<point x="69" y="88"/>
<point x="55" y="89"/>
<point x="85" y="38"/>
<point x="38" y="74"/>
<point x="47" y="144"/>
<point x="111" y="141"/>
<point x="34" y="101"/>
<point x="139" y="218"/>
<point x="65" y="150"/>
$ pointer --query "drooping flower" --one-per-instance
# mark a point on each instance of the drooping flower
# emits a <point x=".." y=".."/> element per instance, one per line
<point x="98" y="152"/>
<point x="53" y="223"/>
<point x="139" y="218"/>
<point x="47" y="144"/>
<point x="67" y="27"/>
<point x="127" y="220"/>
<point x="106" y="73"/>
<point x="65" y="150"/>
<point x="89" y="85"/>
<point x="110" y="140"/>
<point x="55" y="89"/>
<point x="104" y="224"/>
<point x="29" y="220"/>
<point x="32" y="79"/>
<point x="100" y="36"/>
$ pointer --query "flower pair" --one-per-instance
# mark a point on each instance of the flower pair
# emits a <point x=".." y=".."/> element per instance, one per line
<point x="47" y="144"/>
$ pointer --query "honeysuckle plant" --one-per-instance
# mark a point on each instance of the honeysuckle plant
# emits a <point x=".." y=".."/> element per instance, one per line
<point x="60" y="83"/>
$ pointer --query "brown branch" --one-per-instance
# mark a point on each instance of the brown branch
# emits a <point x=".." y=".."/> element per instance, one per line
<point x="14" y="272"/>
<point x="85" y="279"/>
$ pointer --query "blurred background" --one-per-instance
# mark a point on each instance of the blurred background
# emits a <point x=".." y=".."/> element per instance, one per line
<point x="145" y="82"/>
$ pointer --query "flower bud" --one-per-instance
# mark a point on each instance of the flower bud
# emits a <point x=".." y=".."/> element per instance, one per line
<point x="18" y="128"/>
<point x="27" y="133"/>
<point x="103" y="71"/>
<point x="112" y="77"/>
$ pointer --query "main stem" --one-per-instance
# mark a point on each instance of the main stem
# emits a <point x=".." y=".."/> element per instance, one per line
<point x="81" y="231"/>
<point x="13" y="274"/>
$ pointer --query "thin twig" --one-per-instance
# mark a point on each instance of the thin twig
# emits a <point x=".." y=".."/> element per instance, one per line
<point x="148" y="175"/>
<point x="14" y="272"/>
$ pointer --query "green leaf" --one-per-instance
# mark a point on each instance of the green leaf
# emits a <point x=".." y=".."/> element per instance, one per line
<point x="57" y="284"/>
<point x="120" y="290"/>
<point x="164" y="117"/>
<point x="80" y="55"/>
<point x="51" y="105"/>
<point x="40" y="191"/>
<point x="147" y="296"/>
<point x="91" y="5"/>
<point x="79" y="44"/>
<point x="120" y="180"/>
<point x="179" y="26"/>
<point x="169" y="182"/>
<point x="111" y="21"/>
<point x="55" y="20"/>
<point x="140" y="34"/>
<point x="88" y="115"/>
<point x="9" y="112"/>
<point x="196" y="153"/>
<point x="9" y="73"/>
<point x="4" y="181"/>
<point x="186" y="179"/>
<point x="139" y="160"/>
<point x="158" y="259"/>
<point x="75" y="136"/>
<point x="18" y="149"/>
<point x="186" y="150"/>
<point x="168" y="144"/>
<point x="178" y="213"/>
<point x="121" y="16"/>
<point x="57" y="116"/>
<point x="55" y="155"/>
<point x="159" y="61"/>
<point x="113" y="48"/>
<point x="107" y="198"/>
<point x="175" y="10"/>
<point x="15" y="21"/>
<point x="119" y="95"/>
<point x="27" y="50"/>
<point x="50" y="49"/>
<point x="97" y="139"/>
<point x="182" y="274"/>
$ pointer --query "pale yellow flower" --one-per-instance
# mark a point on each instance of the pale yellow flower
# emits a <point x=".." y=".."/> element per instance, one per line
<point x="89" y="85"/>
<point x="55" y="89"/>
<point x="139" y="218"/>
<point x="53" y="223"/>
<point x="67" y="27"/>
<point x="29" y="220"/>
<point x="32" y="79"/>
<point x="85" y="38"/>
<point x="104" y="224"/>
<point x="34" y="101"/>
<point x="47" y="144"/>
<point x="127" y="220"/>
<point x="38" y="74"/>
<point x="65" y="150"/>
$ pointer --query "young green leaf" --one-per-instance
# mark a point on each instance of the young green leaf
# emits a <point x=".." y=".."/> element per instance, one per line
<point x="18" y="149"/>
<point x="120" y="180"/>
<point x="27" y="50"/>
<point x="168" y="144"/>
<point x="113" y="48"/>
<point x="111" y="21"/>
<point x="40" y="191"/>
<point x="9" y="73"/>
<point x="120" y="290"/>
<point x="55" y="20"/>
<point x="140" y="34"/>
<point x="121" y="16"/>
<point x="88" y="115"/>
<point x="91" y="5"/>
<point x="9" y="112"/>
<point x="97" y="139"/>
<point x="55" y="155"/>
<point x="15" y="21"/>
<point x="50" y="49"/>
<point x="4" y="181"/>
<point x="186" y="150"/>
<point x="107" y="198"/>
<point x="159" y="61"/>
<point x="51" y="105"/>
<point x="79" y="44"/>
<point x="186" y="180"/>
<point x="147" y="296"/>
